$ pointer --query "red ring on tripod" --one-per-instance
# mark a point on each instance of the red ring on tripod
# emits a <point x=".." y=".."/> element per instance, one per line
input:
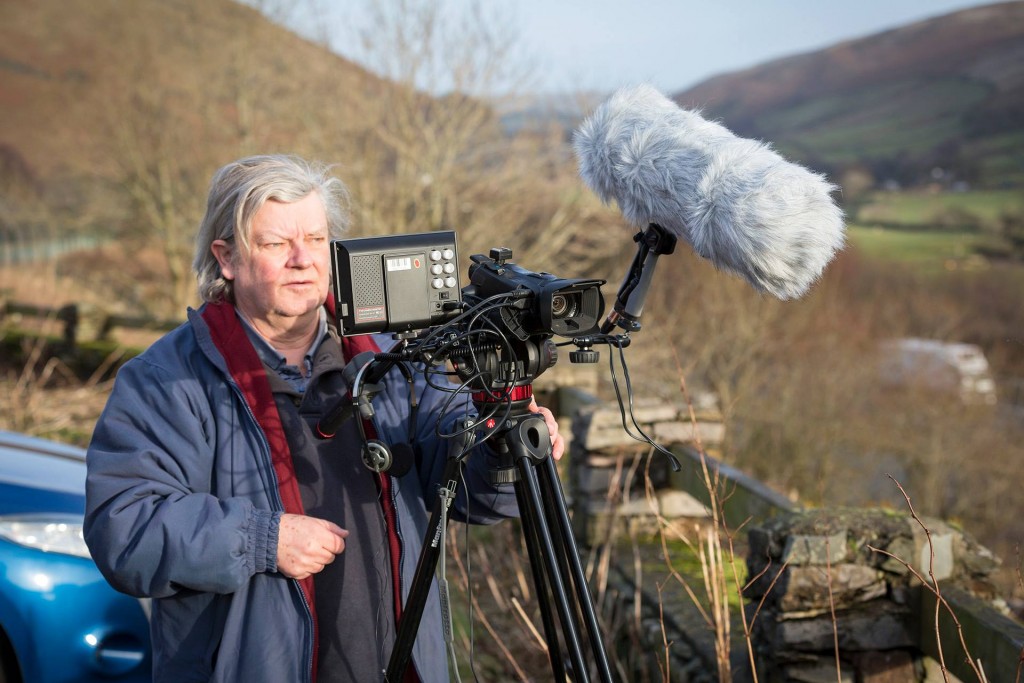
<point x="523" y="392"/>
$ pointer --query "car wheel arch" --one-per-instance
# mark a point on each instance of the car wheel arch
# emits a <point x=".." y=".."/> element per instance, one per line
<point x="10" y="671"/>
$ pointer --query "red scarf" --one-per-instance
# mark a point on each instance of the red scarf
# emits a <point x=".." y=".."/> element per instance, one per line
<point x="246" y="368"/>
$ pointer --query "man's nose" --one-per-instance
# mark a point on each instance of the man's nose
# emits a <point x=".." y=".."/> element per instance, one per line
<point x="301" y="256"/>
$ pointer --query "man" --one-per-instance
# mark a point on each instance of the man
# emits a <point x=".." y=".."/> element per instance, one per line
<point x="271" y="555"/>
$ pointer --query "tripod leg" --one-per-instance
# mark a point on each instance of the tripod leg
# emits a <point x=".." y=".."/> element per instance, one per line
<point x="528" y="524"/>
<point x="561" y="557"/>
<point x="531" y="488"/>
<point x="555" y="505"/>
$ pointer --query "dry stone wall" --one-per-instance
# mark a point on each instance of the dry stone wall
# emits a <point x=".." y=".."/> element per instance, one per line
<point x="836" y="594"/>
<point x="850" y="580"/>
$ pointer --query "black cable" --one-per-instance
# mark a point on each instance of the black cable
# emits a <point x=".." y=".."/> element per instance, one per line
<point x="643" y="438"/>
<point x="489" y="303"/>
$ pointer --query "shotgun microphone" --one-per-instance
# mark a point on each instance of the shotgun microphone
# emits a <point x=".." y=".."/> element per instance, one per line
<point x="737" y="202"/>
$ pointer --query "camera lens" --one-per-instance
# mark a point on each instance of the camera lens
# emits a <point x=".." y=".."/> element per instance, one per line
<point x="564" y="306"/>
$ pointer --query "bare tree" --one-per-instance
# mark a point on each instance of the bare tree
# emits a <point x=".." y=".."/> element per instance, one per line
<point x="168" y="128"/>
<point x="431" y="133"/>
<point x="429" y="149"/>
<point x="163" y="136"/>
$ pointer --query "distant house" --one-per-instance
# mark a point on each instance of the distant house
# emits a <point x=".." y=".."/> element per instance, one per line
<point x="952" y="368"/>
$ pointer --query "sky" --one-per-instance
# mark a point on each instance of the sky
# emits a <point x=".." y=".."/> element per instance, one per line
<point x="605" y="44"/>
<point x="677" y="44"/>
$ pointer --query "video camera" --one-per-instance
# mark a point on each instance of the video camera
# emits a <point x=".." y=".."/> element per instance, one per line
<point x="496" y="331"/>
<point x="405" y="283"/>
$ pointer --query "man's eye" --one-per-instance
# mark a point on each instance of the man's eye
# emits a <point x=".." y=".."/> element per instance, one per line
<point x="318" y="239"/>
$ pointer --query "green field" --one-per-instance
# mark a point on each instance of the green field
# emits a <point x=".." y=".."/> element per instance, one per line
<point x="925" y="250"/>
<point x="932" y="232"/>
<point x="930" y="211"/>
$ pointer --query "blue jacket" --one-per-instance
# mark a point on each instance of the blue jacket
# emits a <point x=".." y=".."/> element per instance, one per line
<point x="183" y="505"/>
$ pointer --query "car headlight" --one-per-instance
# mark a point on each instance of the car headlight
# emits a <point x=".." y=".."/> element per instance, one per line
<point x="50" y="533"/>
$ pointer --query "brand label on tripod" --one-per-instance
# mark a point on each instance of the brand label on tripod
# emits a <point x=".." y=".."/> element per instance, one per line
<point x="447" y="496"/>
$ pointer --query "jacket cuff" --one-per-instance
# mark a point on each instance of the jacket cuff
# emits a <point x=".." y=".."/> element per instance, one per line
<point x="264" y="527"/>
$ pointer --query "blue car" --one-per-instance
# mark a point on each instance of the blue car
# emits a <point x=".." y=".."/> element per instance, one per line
<point x="59" y="619"/>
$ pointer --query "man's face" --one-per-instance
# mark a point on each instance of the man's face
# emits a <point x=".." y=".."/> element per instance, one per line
<point x="285" y="277"/>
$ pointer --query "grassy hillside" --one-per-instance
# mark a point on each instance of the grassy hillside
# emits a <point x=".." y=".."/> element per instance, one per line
<point x="76" y="76"/>
<point x="870" y="122"/>
<point x="946" y="92"/>
<point x="923" y="251"/>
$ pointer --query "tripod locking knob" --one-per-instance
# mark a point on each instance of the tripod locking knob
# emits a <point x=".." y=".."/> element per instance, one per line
<point x="504" y="475"/>
<point x="586" y="356"/>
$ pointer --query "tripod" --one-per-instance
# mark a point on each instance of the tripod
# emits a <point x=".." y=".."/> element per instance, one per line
<point x="523" y="445"/>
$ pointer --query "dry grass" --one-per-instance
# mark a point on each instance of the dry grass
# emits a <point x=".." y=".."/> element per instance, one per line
<point x="45" y="398"/>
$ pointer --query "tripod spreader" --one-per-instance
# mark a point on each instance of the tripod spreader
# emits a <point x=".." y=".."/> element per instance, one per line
<point x="526" y="437"/>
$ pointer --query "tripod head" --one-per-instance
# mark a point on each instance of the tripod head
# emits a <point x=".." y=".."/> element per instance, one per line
<point x="503" y="371"/>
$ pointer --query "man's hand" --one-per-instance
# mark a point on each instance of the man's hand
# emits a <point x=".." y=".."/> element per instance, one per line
<point x="305" y="545"/>
<point x="557" y="441"/>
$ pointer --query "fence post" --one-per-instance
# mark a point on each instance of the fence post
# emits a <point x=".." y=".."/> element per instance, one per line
<point x="68" y="314"/>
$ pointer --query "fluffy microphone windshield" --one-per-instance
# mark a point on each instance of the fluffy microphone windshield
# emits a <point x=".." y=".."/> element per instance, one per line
<point x="736" y="201"/>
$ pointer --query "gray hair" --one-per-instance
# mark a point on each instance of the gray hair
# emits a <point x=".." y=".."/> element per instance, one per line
<point x="240" y="189"/>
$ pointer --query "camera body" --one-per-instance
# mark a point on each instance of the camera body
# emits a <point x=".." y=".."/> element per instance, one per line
<point x="553" y="305"/>
<point x="407" y="283"/>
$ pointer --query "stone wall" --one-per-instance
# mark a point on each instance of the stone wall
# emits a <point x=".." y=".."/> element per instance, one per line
<point x="825" y="580"/>
<point x="650" y="645"/>
<point x="845" y="579"/>
<point x="609" y="469"/>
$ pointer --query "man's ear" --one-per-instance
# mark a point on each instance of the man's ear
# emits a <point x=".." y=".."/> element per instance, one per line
<point x="224" y="253"/>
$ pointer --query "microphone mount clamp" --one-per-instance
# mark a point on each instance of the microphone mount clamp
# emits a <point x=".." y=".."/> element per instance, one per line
<point x="652" y="243"/>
